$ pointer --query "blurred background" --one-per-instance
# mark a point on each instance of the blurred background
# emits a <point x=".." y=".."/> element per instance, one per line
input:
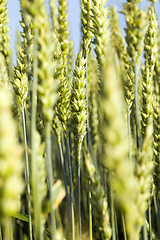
<point x="73" y="19"/>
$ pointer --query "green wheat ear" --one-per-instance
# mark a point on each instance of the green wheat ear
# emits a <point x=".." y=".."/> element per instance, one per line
<point x="118" y="43"/>
<point x="150" y="49"/>
<point x="4" y="29"/>
<point x="115" y="157"/>
<point x="20" y="80"/>
<point x="136" y="21"/>
<point x="144" y="176"/>
<point x="86" y="23"/>
<point x="63" y="32"/>
<point x="54" y="13"/>
<point x="100" y="30"/>
<point x="47" y="86"/>
<point x="11" y="165"/>
<point x="98" y="200"/>
<point x="93" y="97"/>
<point x="78" y="103"/>
<point x="79" y="117"/>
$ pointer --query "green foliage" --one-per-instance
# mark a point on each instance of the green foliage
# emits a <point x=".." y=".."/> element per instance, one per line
<point x="106" y="120"/>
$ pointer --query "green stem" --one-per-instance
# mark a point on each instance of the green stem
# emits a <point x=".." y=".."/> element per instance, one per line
<point x="35" y="182"/>
<point x="27" y="175"/>
<point x="65" y="180"/>
<point x="112" y="210"/>
<point x="50" y="176"/>
<point x="71" y="187"/>
<point x="150" y="220"/>
<point x="116" y="226"/>
<point x="145" y="233"/>
<point x="79" y="189"/>
<point x="157" y="212"/>
<point x="79" y="202"/>
<point x="8" y="229"/>
<point x="124" y="227"/>
<point x="0" y="233"/>
<point x="90" y="214"/>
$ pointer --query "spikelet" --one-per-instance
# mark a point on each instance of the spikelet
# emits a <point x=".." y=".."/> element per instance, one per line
<point x="157" y="63"/>
<point x="63" y="105"/>
<point x="93" y="97"/>
<point x="119" y="44"/>
<point x="100" y="30"/>
<point x="11" y="165"/>
<point x="47" y="86"/>
<point x="54" y="13"/>
<point x="136" y="21"/>
<point x="117" y="38"/>
<point x="86" y="23"/>
<point x="156" y="118"/>
<point x="3" y="71"/>
<point x="4" y="29"/>
<point x="62" y="73"/>
<point x="20" y="80"/>
<point x="144" y="176"/>
<point x="63" y="32"/>
<point x="78" y="103"/>
<point x="156" y="144"/>
<point x="70" y="62"/>
<point x="147" y="71"/>
<point x="98" y="200"/>
<point x="115" y="156"/>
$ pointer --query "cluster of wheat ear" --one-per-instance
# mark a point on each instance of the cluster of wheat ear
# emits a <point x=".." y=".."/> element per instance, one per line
<point x="80" y="136"/>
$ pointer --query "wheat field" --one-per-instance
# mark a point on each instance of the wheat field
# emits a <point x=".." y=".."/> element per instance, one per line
<point x="80" y="136"/>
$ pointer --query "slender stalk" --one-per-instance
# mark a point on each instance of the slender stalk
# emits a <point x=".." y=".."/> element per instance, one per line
<point x="27" y="55"/>
<point x="112" y="210"/>
<point x="65" y="180"/>
<point x="71" y="187"/>
<point x="157" y="212"/>
<point x="124" y="227"/>
<point x="8" y="230"/>
<point x="90" y="215"/>
<point x="116" y="226"/>
<point x="27" y="175"/>
<point x="79" y="202"/>
<point x="150" y="221"/>
<point x="145" y="234"/>
<point x="50" y="175"/>
<point x="0" y="233"/>
<point x="35" y="185"/>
